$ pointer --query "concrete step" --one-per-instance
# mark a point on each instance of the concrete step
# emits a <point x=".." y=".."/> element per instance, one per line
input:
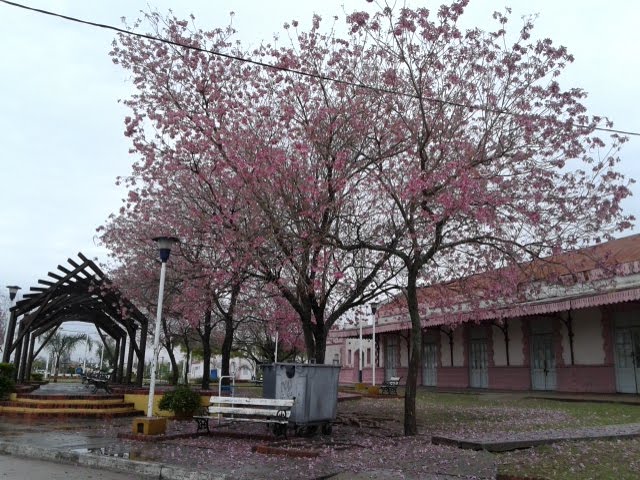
<point x="84" y="398"/>
<point x="42" y="413"/>
<point x="71" y="404"/>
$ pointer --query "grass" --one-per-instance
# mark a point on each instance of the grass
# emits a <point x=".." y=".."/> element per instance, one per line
<point x="472" y="414"/>
<point x="616" y="459"/>
<point x="453" y="409"/>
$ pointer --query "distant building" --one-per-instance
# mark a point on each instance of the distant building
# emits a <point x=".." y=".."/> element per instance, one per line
<point x="580" y="333"/>
<point x="242" y="368"/>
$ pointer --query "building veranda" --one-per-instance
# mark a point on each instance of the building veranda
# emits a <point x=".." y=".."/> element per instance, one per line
<point x="578" y="333"/>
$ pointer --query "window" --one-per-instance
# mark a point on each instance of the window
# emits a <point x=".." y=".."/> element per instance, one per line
<point x="349" y="357"/>
<point x="368" y="356"/>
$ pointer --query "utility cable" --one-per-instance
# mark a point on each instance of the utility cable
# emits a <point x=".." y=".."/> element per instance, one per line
<point x="291" y="70"/>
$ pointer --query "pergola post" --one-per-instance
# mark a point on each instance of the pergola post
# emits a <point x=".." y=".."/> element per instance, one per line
<point x="17" y="359"/>
<point x="25" y="355"/>
<point x="29" y="366"/>
<point x="6" y="355"/>
<point x="132" y="343"/>
<point x="123" y="341"/>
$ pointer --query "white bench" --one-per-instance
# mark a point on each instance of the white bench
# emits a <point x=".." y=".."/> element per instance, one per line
<point x="275" y="412"/>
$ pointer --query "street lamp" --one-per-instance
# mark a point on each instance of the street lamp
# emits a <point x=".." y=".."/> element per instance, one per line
<point x="164" y="245"/>
<point x="13" y="291"/>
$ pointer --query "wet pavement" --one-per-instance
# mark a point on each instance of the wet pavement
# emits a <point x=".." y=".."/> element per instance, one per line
<point x="17" y="468"/>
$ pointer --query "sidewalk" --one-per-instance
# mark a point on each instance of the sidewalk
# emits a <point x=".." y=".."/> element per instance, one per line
<point x="347" y="454"/>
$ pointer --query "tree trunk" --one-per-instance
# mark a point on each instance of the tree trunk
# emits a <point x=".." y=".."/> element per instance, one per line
<point x="205" y="336"/>
<point x="229" y="330"/>
<point x="321" y="342"/>
<point x="410" y="424"/>
<point x="227" y="343"/>
<point x="186" y="362"/>
<point x="309" y="336"/>
<point x="175" y="374"/>
<point x="57" y="369"/>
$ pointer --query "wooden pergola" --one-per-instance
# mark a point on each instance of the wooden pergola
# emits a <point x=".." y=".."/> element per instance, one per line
<point x="78" y="292"/>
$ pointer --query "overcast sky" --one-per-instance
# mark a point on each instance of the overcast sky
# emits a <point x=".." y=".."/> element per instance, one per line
<point x="61" y="127"/>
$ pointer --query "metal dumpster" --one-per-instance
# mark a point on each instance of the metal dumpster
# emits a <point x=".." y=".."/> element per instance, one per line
<point x="315" y="388"/>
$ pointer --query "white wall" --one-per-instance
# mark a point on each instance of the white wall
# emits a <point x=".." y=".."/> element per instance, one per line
<point x="243" y="368"/>
<point x="458" y="348"/>
<point x="331" y="351"/>
<point x="516" y="342"/>
<point x="588" y="343"/>
<point x="516" y="356"/>
<point x="353" y="344"/>
<point x="499" y="348"/>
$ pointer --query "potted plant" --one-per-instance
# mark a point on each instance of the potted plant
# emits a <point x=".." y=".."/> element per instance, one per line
<point x="182" y="401"/>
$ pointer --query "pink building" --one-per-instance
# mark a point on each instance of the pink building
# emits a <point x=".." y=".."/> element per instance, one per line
<point x="579" y="333"/>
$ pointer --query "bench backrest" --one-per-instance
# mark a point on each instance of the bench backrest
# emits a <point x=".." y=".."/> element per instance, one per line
<point x="254" y="402"/>
<point x="394" y="380"/>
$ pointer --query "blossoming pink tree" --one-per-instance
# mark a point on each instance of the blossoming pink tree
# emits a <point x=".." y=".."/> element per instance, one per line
<point x="439" y="151"/>
<point x="262" y="159"/>
<point x="498" y="163"/>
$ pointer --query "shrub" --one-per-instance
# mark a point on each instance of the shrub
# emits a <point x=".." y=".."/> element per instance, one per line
<point x="37" y="377"/>
<point x="373" y="390"/>
<point x="182" y="401"/>
<point x="7" y="385"/>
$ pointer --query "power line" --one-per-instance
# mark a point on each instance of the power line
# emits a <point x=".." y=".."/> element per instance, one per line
<point x="291" y="70"/>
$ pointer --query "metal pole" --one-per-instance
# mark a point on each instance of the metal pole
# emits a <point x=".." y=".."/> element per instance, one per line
<point x="373" y="353"/>
<point x="360" y="355"/>
<point x="276" y="355"/>
<point x="156" y="341"/>
<point x="101" y="352"/>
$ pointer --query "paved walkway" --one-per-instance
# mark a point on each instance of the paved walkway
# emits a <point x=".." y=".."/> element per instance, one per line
<point x="515" y="441"/>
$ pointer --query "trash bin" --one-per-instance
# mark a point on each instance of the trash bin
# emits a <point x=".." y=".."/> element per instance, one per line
<point x="315" y="388"/>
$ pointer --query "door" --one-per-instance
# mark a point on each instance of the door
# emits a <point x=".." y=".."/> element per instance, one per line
<point x="543" y="362"/>
<point x="429" y="364"/>
<point x="628" y="360"/>
<point x="478" y="365"/>
<point x="391" y="355"/>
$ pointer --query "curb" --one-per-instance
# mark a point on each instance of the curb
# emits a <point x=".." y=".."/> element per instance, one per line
<point x="150" y="469"/>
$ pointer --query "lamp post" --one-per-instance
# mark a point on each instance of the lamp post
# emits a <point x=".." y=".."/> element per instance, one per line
<point x="13" y="291"/>
<point x="164" y="245"/>
<point x="374" y="308"/>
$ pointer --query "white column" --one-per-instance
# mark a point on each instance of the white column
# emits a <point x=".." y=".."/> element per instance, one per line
<point x="361" y="357"/>
<point x="373" y="353"/>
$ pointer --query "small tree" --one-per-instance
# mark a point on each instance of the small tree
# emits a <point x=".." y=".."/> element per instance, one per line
<point x="60" y="345"/>
<point x="7" y="384"/>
